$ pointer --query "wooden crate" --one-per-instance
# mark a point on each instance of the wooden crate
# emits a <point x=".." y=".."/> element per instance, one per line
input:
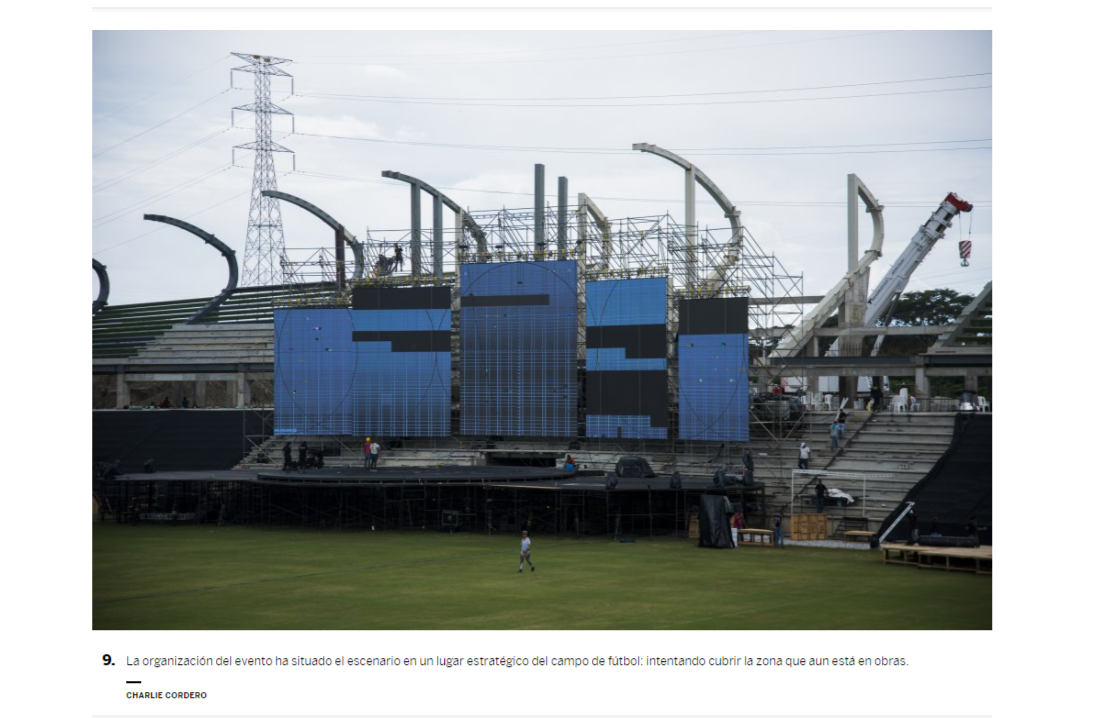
<point x="808" y="527"/>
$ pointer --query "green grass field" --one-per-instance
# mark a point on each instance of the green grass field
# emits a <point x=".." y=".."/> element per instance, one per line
<point x="202" y="577"/>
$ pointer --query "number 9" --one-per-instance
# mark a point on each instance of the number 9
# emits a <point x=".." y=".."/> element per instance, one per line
<point x="107" y="659"/>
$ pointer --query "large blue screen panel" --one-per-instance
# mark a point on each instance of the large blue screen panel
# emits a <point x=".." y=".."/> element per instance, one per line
<point x="713" y="370"/>
<point x="625" y="359"/>
<point x="518" y="328"/>
<point x="314" y="365"/>
<point x="381" y="369"/>
<point x="402" y="337"/>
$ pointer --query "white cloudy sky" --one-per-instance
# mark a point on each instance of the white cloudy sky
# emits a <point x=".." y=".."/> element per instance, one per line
<point x="776" y="119"/>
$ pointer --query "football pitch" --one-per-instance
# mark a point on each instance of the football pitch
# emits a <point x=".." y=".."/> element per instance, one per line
<point x="204" y="577"/>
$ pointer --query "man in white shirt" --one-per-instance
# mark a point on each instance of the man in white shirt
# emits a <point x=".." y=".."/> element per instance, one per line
<point x="375" y="449"/>
<point x="525" y="552"/>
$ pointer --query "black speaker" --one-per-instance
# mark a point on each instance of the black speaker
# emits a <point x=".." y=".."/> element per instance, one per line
<point x="148" y="466"/>
<point x="611" y="482"/>
<point x="634" y="467"/>
<point x="675" y="480"/>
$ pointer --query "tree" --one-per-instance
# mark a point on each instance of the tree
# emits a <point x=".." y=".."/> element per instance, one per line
<point x="934" y="307"/>
<point x="931" y="308"/>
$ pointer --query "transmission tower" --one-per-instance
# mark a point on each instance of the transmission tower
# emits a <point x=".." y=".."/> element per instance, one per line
<point x="264" y="262"/>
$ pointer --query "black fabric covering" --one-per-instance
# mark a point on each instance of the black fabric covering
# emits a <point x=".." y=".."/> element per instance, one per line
<point x="634" y="467"/>
<point x="716" y="530"/>
<point x="958" y="487"/>
<point x="175" y="439"/>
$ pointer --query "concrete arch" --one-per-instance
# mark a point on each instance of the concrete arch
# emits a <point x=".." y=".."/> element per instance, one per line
<point x="463" y="221"/>
<point x="102" y="295"/>
<point x="227" y="252"/>
<point x="735" y="242"/>
<point x="342" y="235"/>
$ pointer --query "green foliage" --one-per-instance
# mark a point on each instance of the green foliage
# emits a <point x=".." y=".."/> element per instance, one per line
<point x="204" y="577"/>
<point x="931" y="308"/>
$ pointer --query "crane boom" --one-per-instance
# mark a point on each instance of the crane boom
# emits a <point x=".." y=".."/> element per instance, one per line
<point x="882" y="299"/>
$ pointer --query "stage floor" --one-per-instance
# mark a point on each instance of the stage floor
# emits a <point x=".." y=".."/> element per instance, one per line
<point x="978" y="560"/>
<point x="499" y="476"/>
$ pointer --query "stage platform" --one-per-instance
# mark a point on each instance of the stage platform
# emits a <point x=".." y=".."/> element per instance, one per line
<point x="502" y="476"/>
<point x="977" y="560"/>
<point x="466" y="498"/>
<point x="385" y="476"/>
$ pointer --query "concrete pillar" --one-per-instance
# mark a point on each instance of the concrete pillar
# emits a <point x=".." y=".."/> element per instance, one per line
<point x="414" y="242"/>
<point x="563" y="214"/>
<point x="123" y="391"/>
<point x="200" y="393"/>
<point x="540" y="208"/>
<point x="232" y="392"/>
<point x="340" y="259"/>
<point x="243" y="390"/>
<point x="970" y="383"/>
<point x="690" y="228"/>
<point x="923" y="388"/>
<point x="852" y="222"/>
<point x="437" y="236"/>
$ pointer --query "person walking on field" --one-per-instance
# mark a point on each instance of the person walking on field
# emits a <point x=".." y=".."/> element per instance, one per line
<point x="375" y="449"/>
<point x="525" y="552"/>
<point x="803" y="460"/>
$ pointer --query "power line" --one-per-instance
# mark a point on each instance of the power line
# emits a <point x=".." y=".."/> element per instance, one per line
<point x="572" y="48"/>
<point x="674" y="104"/>
<point x="163" y="122"/>
<point x="590" y="58"/>
<point x="152" y="94"/>
<point x="638" y="97"/>
<point x="120" y="213"/>
<point x="708" y="152"/>
<point x="153" y="163"/>
<point x="753" y="203"/>
<point x="188" y="216"/>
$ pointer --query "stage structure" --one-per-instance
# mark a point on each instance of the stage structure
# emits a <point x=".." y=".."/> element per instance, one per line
<point x="546" y="363"/>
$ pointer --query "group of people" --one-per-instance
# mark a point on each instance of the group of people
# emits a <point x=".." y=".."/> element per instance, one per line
<point x="304" y="461"/>
<point x="371" y="450"/>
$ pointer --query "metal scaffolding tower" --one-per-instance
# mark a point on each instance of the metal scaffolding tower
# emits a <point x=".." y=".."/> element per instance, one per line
<point x="264" y="261"/>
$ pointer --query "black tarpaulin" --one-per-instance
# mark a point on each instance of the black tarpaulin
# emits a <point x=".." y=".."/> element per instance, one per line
<point x="716" y="531"/>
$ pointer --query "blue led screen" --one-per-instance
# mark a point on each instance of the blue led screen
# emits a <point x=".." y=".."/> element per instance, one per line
<point x="314" y="363"/>
<point x="518" y="328"/>
<point x="380" y="369"/>
<point x="713" y="369"/>
<point x="625" y="359"/>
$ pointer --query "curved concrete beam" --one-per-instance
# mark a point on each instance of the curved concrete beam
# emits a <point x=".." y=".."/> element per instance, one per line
<point x="588" y="208"/>
<point x="227" y="252"/>
<point x="102" y="295"/>
<point x="342" y="234"/>
<point x="874" y="209"/>
<point x="467" y="221"/>
<point x="735" y="242"/>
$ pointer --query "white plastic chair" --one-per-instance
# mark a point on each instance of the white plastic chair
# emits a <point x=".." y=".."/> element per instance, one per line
<point x="983" y="405"/>
<point x="900" y="401"/>
<point x="829" y="402"/>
